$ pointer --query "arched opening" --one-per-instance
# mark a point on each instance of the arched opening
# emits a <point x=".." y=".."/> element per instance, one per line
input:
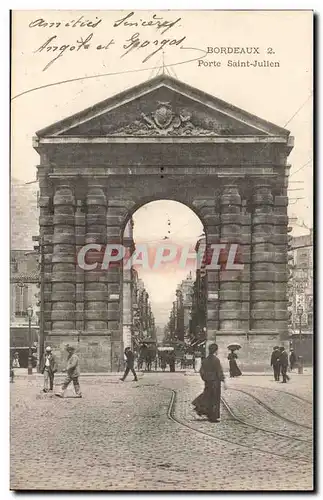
<point x="163" y="236"/>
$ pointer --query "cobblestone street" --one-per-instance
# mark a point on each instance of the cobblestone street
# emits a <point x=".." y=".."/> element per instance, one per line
<point x="144" y="435"/>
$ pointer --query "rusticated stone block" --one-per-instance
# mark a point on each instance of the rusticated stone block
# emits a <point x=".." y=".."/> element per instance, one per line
<point x="262" y="219"/>
<point x="113" y="315"/>
<point x="61" y="238"/>
<point x="229" y="325"/>
<point x="281" y="201"/>
<point x="263" y="286"/>
<point x="212" y="315"/>
<point x="229" y="232"/>
<point x="237" y="314"/>
<point x="114" y="288"/>
<point x="62" y="276"/>
<point x="255" y="352"/>
<point x="95" y="325"/>
<point x="96" y="315"/>
<point x="63" y="220"/>
<point x="263" y="276"/>
<point x="62" y="296"/>
<point x="269" y="325"/>
<point x="63" y="267"/>
<point x="114" y="326"/>
<point x="63" y="325"/>
<point x="63" y="196"/>
<point x="97" y="198"/>
<point x="113" y="234"/>
<point x="46" y="220"/>
<point x="98" y="238"/>
<point x="94" y="352"/>
<point x="59" y="258"/>
<point x="263" y="266"/>
<point x="229" y="219"/>
<point x="65" y="315"/>
<point x="229" y="295"/>
<point x="92" y="296"/>
<point x="96" y="306"/>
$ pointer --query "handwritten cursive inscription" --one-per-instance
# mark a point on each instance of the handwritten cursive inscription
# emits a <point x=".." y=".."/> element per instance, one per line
<point x="136" y="43"/>
<point x="79" y="23"/>
<point x="146" y="43"/>
<point x="60" y="50"/>
<point x="159" y="22"/>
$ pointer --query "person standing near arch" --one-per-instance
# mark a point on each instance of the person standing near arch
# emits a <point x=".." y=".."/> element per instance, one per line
<point x="283" y="361"/>
<point x="233" y="367"/>
<point x="274" y="362"/>
<point x="48" y="368"/>
<point x="72" y="373"/>
<point x="208" y="403"/>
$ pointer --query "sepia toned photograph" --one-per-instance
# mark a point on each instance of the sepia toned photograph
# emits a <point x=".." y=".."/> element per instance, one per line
<point x="161" y="253"/>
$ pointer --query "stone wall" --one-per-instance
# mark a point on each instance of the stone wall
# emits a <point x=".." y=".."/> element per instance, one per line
<point x="95" y="352"/>
<point x="90" y="183"/>
<point x="255" y="352"/>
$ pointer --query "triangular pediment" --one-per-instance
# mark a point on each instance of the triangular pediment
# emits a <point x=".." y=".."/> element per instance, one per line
<point x="162" y="106"/>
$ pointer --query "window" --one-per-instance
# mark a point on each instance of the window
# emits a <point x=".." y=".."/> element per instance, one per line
<point x="21" y="300"/>
<point x="14" y="265"/>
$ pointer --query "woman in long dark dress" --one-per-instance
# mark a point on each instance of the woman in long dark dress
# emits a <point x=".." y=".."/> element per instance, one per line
<point x="234" y="369"/>
<point x="208" y="403"/>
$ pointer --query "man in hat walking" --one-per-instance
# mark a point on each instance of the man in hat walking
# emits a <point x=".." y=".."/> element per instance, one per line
<point x="283" y="360"/>
<point x="72" y="372"/>
<point x="48" y="367"/>
<point x="274" y="362"/>
<point x="130" y="359"/>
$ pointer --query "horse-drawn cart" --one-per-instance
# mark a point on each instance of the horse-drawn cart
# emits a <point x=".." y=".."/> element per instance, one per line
<point x="147" y="354"/>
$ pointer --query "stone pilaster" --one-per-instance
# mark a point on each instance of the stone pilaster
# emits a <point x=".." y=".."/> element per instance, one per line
<point x="263" y="267"/>
<point x="46" y="232"/>
<point x="63" y="261"/>
<point x="127" y="289"/>
<point x="96" y="313"/>
<point x="80" y="223"/>
<point x="114" y="220"/>
<point x="245" y="252"/>
<point x="232" y="318"/>
<point x="280" y="241"/>
<point x="209" y="211"/>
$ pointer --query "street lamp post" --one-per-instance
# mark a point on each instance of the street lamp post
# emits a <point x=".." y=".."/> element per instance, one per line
<point x="30" y="313"/>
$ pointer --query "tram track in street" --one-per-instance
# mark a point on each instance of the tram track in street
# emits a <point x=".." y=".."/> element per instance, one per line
<point x="267" y="431"/>
<point x="171" y="416"/>
<point x="270" y="410"/>
<point x="296" y="396"/>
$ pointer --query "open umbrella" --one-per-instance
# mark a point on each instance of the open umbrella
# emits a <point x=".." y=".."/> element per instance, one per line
<point x="234" y="346"/>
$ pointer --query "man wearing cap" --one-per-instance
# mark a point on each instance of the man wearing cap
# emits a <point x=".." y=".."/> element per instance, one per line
<point x="72" y="372"/>
<point x="275" y="363"/>
<point x="48" y="368"/>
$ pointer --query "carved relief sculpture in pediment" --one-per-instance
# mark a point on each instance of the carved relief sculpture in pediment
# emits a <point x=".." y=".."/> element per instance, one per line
<point x="164" y="121"/>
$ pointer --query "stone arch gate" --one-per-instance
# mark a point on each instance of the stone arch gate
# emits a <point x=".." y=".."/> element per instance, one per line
<point x="163" y="140"/>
